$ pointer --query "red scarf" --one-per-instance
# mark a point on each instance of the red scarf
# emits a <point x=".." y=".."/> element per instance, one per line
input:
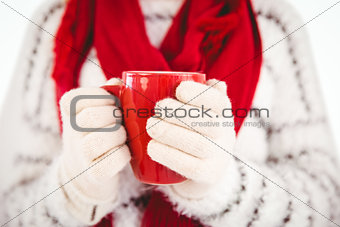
<point x="218" y="37"/>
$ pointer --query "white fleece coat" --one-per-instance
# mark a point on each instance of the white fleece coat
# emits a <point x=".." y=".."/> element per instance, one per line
<point x="292" y="148"/>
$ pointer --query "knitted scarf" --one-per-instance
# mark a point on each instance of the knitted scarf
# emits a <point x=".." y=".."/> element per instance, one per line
<point x="217" y="37"/>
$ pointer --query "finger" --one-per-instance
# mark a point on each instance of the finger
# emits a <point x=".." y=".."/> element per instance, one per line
<point x="190" y="117"/>
<point x="98" y="117"/>
<point x="84" y="102"/>
<point x="96" y="144"/>
<point x="108" y="165"/>
<point x="219" y="85"/>
<point x="197" y="94"/>
<point x="114" y="81"/>
<point x="187" y="165"/>
<point x="180" y="138"/>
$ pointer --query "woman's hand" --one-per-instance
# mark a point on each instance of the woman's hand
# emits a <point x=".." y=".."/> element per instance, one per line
<point x="91" y="160"/>
<point x="192" y="145"/>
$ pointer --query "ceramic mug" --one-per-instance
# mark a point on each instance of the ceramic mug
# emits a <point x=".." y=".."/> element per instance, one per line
<point x="140" y="91"/>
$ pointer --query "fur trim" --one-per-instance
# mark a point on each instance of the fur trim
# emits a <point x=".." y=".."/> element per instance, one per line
<point x="212" y="203"/>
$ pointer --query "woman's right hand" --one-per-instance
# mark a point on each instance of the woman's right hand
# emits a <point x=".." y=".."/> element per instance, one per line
<point x="91" y="161"/>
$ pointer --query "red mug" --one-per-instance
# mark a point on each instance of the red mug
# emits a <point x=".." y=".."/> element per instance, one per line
<point x="140" y="91"/>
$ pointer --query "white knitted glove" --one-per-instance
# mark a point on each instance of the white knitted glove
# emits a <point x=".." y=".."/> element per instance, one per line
<point x="180" y="144"/>
<point x="91" y="195"/>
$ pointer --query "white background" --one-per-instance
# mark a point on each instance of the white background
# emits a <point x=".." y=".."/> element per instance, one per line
<point x="324" y="35"/>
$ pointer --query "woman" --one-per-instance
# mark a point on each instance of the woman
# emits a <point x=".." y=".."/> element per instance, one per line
<point x="285" y="173"/>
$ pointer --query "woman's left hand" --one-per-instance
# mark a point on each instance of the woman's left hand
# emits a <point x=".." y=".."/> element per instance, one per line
<point x="192" y="135"/>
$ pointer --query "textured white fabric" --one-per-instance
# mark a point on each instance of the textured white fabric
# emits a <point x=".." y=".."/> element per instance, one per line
<point x="294" y="149"/>
<point x="97" y="156"/>
<point x="158" y="17"/>
<point x="201" y="200"/>
<point x="190" y="149"/>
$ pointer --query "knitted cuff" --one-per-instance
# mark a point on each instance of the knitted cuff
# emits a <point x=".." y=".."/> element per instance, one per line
<point x="213" y="201"/>
<point x="86" y="209"/>
<point x="55" y="198"/>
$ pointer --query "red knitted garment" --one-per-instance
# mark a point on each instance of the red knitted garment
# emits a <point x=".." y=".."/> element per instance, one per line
<point x="217" y="37"/>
